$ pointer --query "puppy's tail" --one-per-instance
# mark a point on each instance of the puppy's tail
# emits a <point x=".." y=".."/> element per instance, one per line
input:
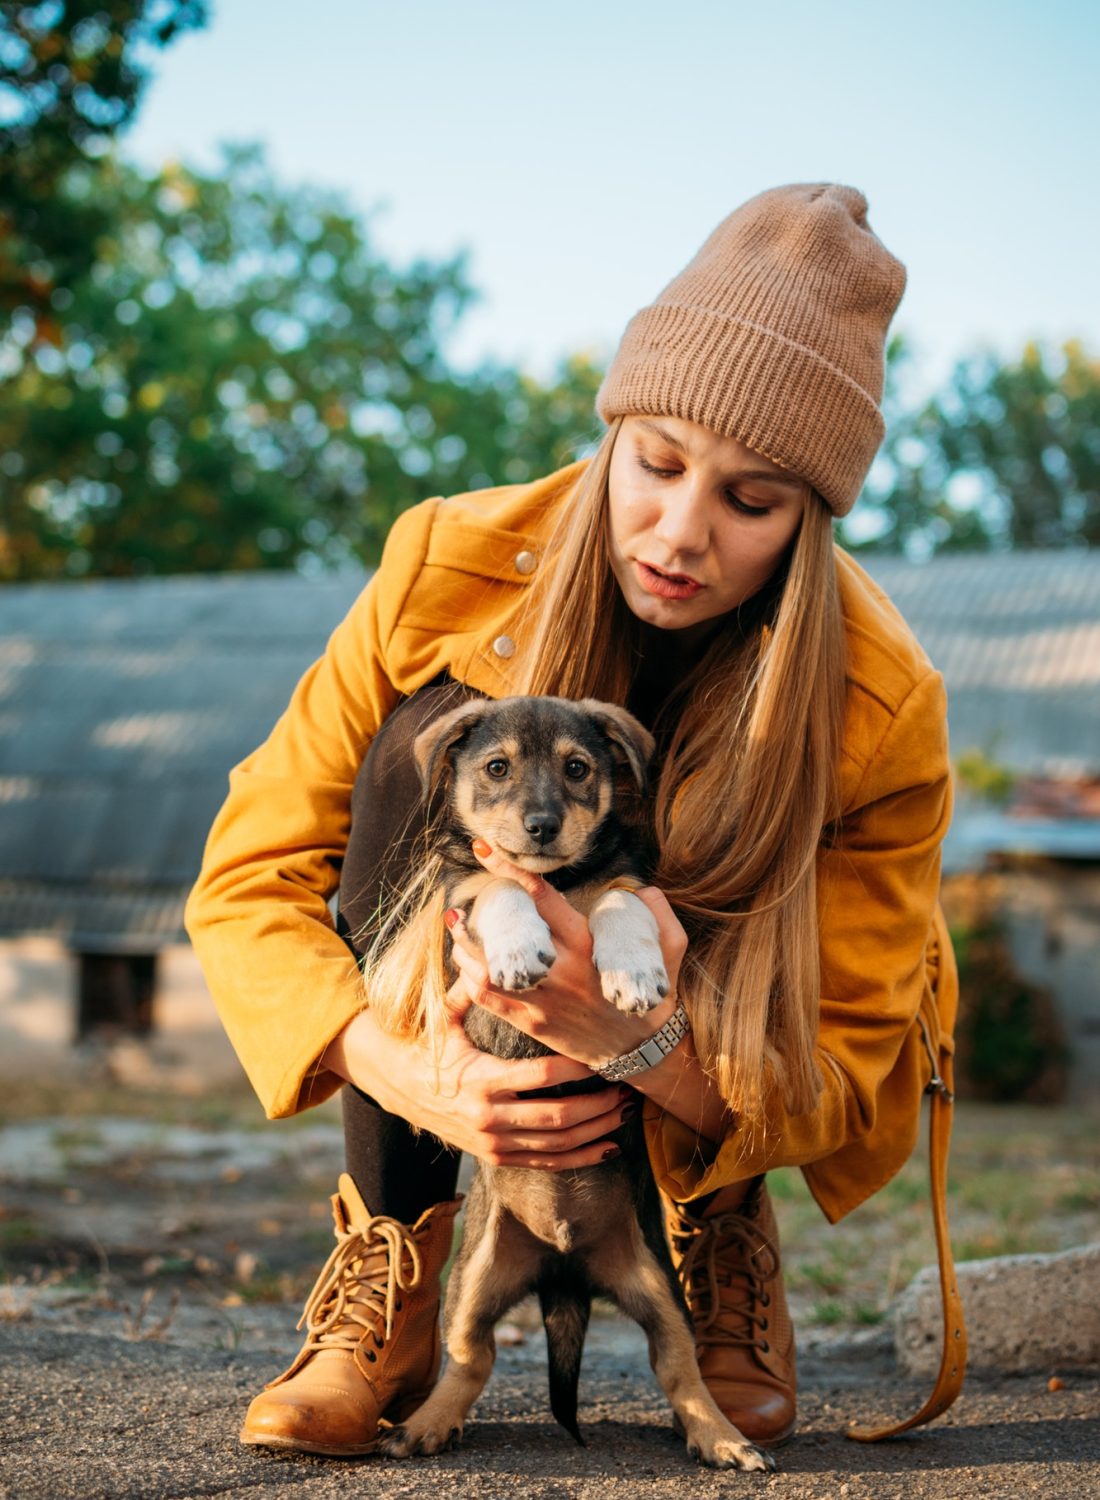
<point x="566" y="1304"/>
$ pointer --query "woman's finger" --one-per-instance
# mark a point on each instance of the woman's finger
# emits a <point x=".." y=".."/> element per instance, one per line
<point x="586" y="1156"/>
<point x="523" y="1075"/>
<point x="561" y="1114"/>
<point x="554" y="1142"/>
<point x="563" y="919"/>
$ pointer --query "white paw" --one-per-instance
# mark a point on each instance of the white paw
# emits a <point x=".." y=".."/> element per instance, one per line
<point x="627" y="954"/>
<point x="634" y="990"/>
<point x="519" y="957"/>
<point x="727" y="1453"/>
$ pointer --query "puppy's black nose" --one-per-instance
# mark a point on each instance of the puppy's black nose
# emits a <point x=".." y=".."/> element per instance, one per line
<point x="543" y="827"/>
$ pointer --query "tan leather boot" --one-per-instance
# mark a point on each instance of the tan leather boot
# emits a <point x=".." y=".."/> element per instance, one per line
<point x="372" y="1349"/>
<point x="727" y="1258"/>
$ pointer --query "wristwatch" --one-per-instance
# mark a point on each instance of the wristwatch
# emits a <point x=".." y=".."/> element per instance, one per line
<point x="651" y="1052"/>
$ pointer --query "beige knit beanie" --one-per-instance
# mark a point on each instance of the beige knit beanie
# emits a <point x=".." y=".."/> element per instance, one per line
<point x="774" y="334"/>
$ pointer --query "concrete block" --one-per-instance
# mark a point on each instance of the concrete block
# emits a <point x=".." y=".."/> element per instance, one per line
<point x="1023" y="1313"/>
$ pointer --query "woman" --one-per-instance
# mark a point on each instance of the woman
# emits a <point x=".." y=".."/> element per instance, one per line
<point x="688" y="571"/>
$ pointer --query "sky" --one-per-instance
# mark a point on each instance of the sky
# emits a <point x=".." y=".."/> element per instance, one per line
<point x="581" y="152"/>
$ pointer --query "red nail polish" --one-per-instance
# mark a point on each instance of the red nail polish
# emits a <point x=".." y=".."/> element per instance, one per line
<point x="450" y="916"/>
<point x="481" y="848"/>
<point x="610" y="1153"/>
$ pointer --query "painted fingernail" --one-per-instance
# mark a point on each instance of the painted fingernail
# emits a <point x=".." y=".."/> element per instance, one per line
<point x="450" y="916"/>
<point x="631" y="1112"/>
<point x="612" y="1151"/>
<point x="481" y="848"/>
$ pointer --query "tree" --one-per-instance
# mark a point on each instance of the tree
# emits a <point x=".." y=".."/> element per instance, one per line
<point x="1008" y="455"/>
<point x="240" y="381"/>
<point x="1027" y="436"/>
<point x="72" y="72"/>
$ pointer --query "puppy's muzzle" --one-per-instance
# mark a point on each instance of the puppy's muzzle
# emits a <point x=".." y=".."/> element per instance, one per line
<point x="542" y="827"/>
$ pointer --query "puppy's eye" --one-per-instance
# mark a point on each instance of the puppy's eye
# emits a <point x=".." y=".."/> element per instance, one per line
<point x="497" y="768"/>
<point x="576" y="770"/>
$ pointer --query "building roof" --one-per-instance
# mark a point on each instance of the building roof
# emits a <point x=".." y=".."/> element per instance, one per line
<point x="123" y="704"/>
<point x="1017" y="638"/>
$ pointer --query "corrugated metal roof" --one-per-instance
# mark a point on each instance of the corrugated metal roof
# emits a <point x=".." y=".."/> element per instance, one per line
<point x="1017" y="637"/>
<point x="123" y="705"/>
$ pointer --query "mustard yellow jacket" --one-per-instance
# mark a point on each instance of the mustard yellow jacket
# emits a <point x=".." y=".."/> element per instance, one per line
<point x="444" y="599"/>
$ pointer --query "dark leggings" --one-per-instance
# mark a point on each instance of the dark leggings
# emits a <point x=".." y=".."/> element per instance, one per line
<point x="396" y="1171"/>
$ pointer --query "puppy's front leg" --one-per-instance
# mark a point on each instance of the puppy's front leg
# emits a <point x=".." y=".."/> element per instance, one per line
<point x="627" y="953"/>
<point x="517" y="943"/>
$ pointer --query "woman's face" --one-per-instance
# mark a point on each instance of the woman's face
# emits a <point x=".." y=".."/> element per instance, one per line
<point x="698" y="522"/>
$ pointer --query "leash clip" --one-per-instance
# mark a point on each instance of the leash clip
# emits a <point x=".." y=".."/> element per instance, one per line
<point x="935" y="1084"/>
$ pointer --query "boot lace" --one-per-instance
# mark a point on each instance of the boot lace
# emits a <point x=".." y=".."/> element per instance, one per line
<point x="725" y="1266"/>
<point x="359" y="1289"/>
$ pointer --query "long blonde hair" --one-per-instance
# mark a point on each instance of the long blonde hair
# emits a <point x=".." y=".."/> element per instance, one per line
<point x="745" y="792"/>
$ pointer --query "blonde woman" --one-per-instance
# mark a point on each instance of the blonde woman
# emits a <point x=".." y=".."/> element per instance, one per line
<point x="687" y="570"/>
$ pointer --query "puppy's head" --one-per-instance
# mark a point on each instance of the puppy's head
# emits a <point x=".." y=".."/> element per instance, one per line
<point x="533" y="776"/>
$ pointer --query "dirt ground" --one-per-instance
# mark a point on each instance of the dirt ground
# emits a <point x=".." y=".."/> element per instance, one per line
<point x="157" y="1238"/>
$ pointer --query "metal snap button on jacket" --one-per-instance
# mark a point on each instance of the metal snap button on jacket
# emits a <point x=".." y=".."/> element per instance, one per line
<point x="526" y="562"/>
<point x="504" y="645"/>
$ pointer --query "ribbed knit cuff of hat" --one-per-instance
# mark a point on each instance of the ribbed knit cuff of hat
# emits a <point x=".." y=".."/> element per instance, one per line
<point x="774" y="334"/>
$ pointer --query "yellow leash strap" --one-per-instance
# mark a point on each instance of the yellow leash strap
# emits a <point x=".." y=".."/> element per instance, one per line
<point x="953" y="1362"/>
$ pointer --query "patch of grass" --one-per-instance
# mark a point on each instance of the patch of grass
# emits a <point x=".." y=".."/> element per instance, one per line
<point x="76" y="1137"/>
<point x="829" y="1313"/>
<point x="17" y="1230"/>
<point x="1022" y="1179"/>
<point x="1081" y="1200"/>
<point x="816" y="1276"/>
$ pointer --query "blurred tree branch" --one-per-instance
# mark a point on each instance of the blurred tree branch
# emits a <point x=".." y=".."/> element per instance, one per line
<point x="72" y="73"/>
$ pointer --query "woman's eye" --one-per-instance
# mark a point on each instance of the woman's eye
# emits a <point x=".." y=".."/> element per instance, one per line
<point x="744" y="509"/>
<point x="652" y="469"/>
<point x="576" y="770"/>
<point x="497" y="768"/>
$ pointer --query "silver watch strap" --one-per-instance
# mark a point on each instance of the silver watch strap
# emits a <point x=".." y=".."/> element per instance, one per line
<point x="651" y="1052"/>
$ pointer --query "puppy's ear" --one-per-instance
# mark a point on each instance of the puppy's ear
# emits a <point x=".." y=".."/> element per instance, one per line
<point x="432" y="744"/>
<point x="632" y="739"/>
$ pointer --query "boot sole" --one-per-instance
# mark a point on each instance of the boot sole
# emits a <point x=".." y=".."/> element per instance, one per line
<point x="300" y="1445"/>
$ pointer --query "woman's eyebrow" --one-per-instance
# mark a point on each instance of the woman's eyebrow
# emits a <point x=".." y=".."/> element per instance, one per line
<point x="768" y="475"/>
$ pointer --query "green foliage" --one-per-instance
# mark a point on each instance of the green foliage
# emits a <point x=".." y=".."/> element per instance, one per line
<point x="242" y="382"/>
<point x="1011" y="1045"/>
<point x="982" y="775"/>
<point x="71" y="74"/>
<point x="1007" y="456"/>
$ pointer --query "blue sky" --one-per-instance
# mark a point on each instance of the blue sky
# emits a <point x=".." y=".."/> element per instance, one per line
<point x="583" y="151"/>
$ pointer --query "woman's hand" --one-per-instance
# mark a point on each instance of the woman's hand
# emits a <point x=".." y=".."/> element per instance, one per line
<point x="471" y="1100"/>
<point x="566" y="1011"/>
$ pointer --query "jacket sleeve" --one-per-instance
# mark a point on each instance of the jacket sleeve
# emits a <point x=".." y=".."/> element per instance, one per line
<point x="283" y="981"/>
<point x="878" y="885"/>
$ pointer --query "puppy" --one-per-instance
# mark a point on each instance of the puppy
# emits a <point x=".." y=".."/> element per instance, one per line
<point x="542" y="780"/>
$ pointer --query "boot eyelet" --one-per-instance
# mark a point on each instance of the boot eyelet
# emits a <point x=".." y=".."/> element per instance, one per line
<point x="371" y="1356"/>
<point x="766" y="1347"/>
<point x="765" y="1300"/>
<point x="397" y="1307"/>
<point x="763" y="1323"/>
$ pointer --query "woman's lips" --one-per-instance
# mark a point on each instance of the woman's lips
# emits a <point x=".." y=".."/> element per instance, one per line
<point x="666" y="585"/>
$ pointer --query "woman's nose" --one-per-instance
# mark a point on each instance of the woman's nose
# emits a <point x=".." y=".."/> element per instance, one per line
<point x="683" y="525"/>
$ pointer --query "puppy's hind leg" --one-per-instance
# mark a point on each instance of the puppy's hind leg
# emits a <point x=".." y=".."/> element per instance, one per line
<point x="631" y="1276"/>
<point x="487" y="1279"/>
